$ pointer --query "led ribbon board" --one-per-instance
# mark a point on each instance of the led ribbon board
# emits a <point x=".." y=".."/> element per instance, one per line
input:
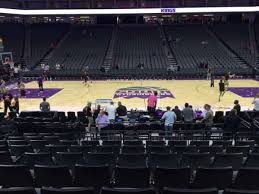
<point x="129" y="11"/>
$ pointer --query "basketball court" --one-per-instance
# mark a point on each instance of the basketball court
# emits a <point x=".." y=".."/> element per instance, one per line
<point x="74" y="95"/>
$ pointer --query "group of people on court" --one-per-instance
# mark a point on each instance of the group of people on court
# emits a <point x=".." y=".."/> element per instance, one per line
<point x="223" y="82"/>
<point x="11" y="102"/>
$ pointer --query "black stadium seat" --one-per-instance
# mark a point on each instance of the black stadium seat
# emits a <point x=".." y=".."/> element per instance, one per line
<point x="111" y="143"/>
<point x="108" y="149"/>
<point x="255" y="149"/>
<point x="69" y="158"/>
<point x="92" y="143"/>
<point x="133" y="149"/>
<point x="184" y="149"/>
<point x="236" y="191"/>
<point x="5" y="158"/>
<point x="19" y="150"/>
<point x="52" y="139"/>
<point x="223" y="142"/>
<point x="238" y="149"/>
<point x="132" y="177"/>
<point x="213" y="177"/>
<point x="172" y="177"/>
<point x="155" y="143"/>
<point x="3" y="142"/>
<point x="32" y="159"/>
<point x="163" y="160"/>
<point x="177" y="142"/>
<point x="68" y="142"/>
<point x="53" y="176"/>
<point x="194" y="160"/>
<point x="190" y="191"/>
<point x="81" y="148"/>
<point x="96" y="159"/>
<point x="247" y="179"/>
<point x="252" y="161"/>
<point x="39" y="145"/>
<point x="18" y="190"/>
<point x="53" y="149"/>
<point x="132" y="160"/>
<point x="34" y="137"/>
<point x="92" y="176"/>
<point x="74" y="190"/>
<point x="211" y="149"/>
<point x="16" y="138"/>
<point x="200" y="143"/>
<point x="244" y="143"/>
<point x="106" y="190"/>
<point x="133" y="143"/>
<point x="159" y="149"/>
<point x="15" y="176"/>
<point x="71" y="116"/>
<point x="229" y="159"/>
<point x="17" y="142"/>
<point x="3" y="148"/>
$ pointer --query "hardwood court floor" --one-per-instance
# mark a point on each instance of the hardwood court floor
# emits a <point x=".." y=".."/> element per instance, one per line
<point x="74" y="95"/>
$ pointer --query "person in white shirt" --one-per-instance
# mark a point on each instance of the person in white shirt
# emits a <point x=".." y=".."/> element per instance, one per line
<point x="256" y="102"/>
<point x="111" y="110"/>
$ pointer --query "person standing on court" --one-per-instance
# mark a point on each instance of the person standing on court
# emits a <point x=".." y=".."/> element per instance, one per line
<point x="40" y="84"/>
<point x="212" y="81"/>
<point x="208" y="73"/>
<point x="44" y="106"/>
<point x="226" y="80"/>
<point x="85" y="77"/>
<point x="221" y="88"/>
<point x="151" y="103"/>
<point x="21" y="87"/>
<point x="169" y="117"/>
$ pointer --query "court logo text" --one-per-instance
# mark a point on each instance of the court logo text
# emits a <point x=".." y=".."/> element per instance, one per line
<point x="142" y="92"/>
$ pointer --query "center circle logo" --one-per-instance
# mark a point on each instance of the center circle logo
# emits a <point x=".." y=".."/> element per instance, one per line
<point x="142" y="92"/>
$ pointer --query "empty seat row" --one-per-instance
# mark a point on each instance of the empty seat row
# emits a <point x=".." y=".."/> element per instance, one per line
<point x="105" y="190"/>
<point x="67" y="138"/>
<point x="42" y="146"/>
<point x="99" y="176"/>
<point x="194" y="160"/>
